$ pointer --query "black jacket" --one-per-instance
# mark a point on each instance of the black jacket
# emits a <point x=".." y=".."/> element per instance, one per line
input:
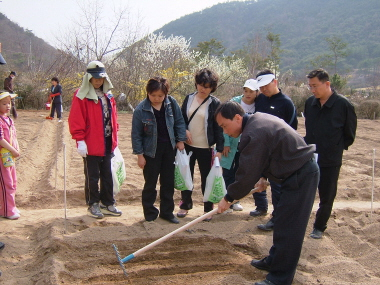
<point x="331" y="127"/>
<point x="214" y="132"/>
<point x="57" y="89"/>
<point x="279" y="105"/>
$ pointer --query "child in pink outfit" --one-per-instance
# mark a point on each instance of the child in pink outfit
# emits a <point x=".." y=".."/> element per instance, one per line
<point x="8" y="141"/>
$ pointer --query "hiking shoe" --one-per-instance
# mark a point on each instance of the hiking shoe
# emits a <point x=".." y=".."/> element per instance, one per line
<point x="261" y="264"/>
<point x="236" y="206"/>
<point x="266" y="227"/>
<point x="94" y="211"/>
<point x="110" y="210"/>
<point x="316" y="234"/>
<point x="257" y="213"/>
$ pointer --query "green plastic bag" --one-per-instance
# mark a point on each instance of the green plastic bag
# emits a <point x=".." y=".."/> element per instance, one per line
<point x="215" y="187"/>
<point x="182" y="174"/>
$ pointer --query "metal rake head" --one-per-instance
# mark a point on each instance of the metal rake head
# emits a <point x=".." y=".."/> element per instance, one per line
<point x="120" y="259"/>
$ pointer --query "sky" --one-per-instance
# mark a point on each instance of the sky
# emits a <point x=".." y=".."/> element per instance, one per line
<point x="45" y="18"/>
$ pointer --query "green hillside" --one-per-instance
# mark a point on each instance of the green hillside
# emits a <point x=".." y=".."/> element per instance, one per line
<point x="22" y="49"/>
<point x="303" y="26"/>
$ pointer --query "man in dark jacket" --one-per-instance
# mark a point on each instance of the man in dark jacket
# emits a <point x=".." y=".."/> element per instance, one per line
<point x="270" y="147"/>
<point x="330" y="122"/>
<point x="272" y="101"/>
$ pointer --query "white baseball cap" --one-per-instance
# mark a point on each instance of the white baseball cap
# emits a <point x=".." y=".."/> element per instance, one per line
<point x="264" y="79"/>
<point x="251" y="84"/>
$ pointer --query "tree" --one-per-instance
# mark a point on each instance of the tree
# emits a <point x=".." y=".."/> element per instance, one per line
<point x="337" y="52"/>
<point x="253" y="54"/>
<point x="338" y="48"/>
<point x="99" y="36"/>
<point x="273" y="60"/>
<point x="211" y="48"/>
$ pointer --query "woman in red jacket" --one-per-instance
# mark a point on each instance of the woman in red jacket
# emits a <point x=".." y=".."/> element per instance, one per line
<point x="93" y="124"/>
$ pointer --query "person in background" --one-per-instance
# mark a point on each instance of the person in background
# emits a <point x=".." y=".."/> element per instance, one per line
<point x="8" y="142"/>
<point x="158" y="129"/>
<point x="230" y="157"/>
<point x="93" y="124"/>
<point x="330" y="122"/>
<point x="271" y="148"/>
<point x="55" y="97"/>
<point x="202" y="133"/>
<point x="8" y="86"/>
<point x="272" y="101"/>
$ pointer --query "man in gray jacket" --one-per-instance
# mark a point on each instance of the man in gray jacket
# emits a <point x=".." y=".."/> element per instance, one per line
<point x="271" y="148"/>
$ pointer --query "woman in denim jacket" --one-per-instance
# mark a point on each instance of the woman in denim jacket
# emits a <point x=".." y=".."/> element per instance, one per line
<point x="158" y="129"/>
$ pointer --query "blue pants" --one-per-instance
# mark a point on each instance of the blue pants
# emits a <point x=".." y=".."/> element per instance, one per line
<point x="261" y="200"/>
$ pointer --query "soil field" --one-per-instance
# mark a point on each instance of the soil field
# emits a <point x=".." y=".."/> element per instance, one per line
<point x="43" y="247"/>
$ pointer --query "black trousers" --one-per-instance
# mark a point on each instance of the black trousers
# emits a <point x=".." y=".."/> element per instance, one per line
<point x="161" y="165"/>
<point x="98" y="168"/>
<point x="204" y="158"/>
<point x="292" y="216"/>
<point x="327" y="188"/>
<point x="56" y="107"/>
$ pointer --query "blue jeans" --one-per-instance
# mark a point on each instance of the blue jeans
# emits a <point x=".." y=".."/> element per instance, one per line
<point x="261" y="200"/>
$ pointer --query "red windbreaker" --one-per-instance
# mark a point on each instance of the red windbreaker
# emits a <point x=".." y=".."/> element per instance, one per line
<point x="86" y="123"/>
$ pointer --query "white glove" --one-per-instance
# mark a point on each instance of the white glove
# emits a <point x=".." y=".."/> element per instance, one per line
<point x="82" y="148"/>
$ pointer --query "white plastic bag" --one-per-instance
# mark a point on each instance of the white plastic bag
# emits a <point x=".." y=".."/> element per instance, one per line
<point x="118" y="170"/>
<point x="215" y="186"/>
<point x="182" y="174"/>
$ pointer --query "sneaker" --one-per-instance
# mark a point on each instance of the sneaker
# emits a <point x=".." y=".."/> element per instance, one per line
<point x="316" y="234"/>
<point x="59" y="121"/>
<point x="94" y="211"/>
<point x="49" y="118"/>
<point x="13" y="217"/>
<point x="110" y="210"/>
<point x="236" y="206"/>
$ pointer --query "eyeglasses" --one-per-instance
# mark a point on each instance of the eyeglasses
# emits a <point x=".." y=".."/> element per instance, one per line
<point x="313" y="87"/>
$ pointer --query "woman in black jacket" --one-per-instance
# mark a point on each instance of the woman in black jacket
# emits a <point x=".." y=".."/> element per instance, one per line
<point x="202" y="132"/>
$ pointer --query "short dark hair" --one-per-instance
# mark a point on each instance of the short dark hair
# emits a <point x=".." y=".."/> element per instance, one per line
<point x="320" y="73"/>
<point x="229" y="109"/>
<point x="264" y="72"/>
<point x="206" y="76"/>
<point x="13" y="73"/>
<point x="157" y="83"/>
<point x="55" y="79"/>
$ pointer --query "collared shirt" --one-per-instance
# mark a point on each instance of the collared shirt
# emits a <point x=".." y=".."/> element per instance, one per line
<point x="332" y="127"/>
<point x="270" y="147"/>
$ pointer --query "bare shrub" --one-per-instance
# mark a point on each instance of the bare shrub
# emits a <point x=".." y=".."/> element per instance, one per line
<point x="369" y="109"/>
<point x="298" y="95"/>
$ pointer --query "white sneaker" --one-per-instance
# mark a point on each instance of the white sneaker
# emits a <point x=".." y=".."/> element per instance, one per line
<point x="59" y="121"/>
<point x="237" y="207"/>
<point x="13" y="217"/>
